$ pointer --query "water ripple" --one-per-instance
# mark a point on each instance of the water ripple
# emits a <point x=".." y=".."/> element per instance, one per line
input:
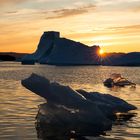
<point x="18" y="106"/>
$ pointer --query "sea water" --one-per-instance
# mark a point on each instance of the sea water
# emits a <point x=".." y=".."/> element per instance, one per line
<point x="18" y="106"/>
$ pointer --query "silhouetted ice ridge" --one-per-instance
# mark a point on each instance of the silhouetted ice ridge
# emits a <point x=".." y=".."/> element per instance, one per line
<point x="52" y="49"/>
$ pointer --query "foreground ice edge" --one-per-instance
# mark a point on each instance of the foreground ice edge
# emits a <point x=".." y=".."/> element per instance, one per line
<point x="85" y="113"/>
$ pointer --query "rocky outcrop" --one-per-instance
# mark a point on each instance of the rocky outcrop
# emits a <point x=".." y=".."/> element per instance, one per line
<point x="7" y="58"/>
<point x="11" y="56"/>
<point x="61" y="51"/>
<point x="79" y="111"/>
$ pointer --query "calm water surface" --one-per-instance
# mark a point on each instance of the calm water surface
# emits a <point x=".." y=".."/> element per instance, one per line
<point x="18" y="106"/>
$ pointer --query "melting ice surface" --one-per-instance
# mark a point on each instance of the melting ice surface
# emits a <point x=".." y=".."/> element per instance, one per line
<point x="19" y="106"/>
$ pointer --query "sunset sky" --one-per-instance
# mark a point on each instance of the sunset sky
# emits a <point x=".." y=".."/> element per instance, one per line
<point x="112" y="24"/>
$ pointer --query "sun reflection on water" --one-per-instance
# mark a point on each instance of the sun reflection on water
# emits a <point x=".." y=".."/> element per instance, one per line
<point x="19" y="106"/>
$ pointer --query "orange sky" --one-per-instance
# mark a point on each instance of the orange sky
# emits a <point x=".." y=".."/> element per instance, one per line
<point x="115" y="26"/>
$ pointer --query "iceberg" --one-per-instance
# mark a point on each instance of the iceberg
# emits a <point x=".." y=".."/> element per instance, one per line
<point x="121" y="59"/>
<point x="117" y="80"/>
<point x="78" y="111"/>
<point x="54" y="50"/>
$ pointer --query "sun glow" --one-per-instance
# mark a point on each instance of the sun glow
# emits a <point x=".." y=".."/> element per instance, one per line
<point x="101" y="52"/>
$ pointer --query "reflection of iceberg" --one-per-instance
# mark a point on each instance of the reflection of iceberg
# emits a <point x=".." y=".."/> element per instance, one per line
<point x="117" y="80"/>
<point x="79" y="111"/>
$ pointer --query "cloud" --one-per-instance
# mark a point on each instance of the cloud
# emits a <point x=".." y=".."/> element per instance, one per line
<point x="21" y="12"/>
<point x="136" y="8"/>
<point x="4" y="2"/>
<point x="62" y="13"/>
<point x="11" y="12"/>
<point x="68" y="11"/>
<point x="129" y="27"/>
<point x="121" y="31"/>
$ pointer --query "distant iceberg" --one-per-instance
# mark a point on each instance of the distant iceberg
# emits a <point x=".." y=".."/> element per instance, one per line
<point x="121" y="59"/>
<point x="117" y="80"/>
<point x="61" y="51"/>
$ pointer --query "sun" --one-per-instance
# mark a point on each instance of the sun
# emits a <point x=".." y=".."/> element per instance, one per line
<point x="101" y="52"/>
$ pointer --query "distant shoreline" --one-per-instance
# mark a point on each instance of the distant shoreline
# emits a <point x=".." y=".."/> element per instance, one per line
<point x="115" y="58"/>
<point x="76" y="65"/>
